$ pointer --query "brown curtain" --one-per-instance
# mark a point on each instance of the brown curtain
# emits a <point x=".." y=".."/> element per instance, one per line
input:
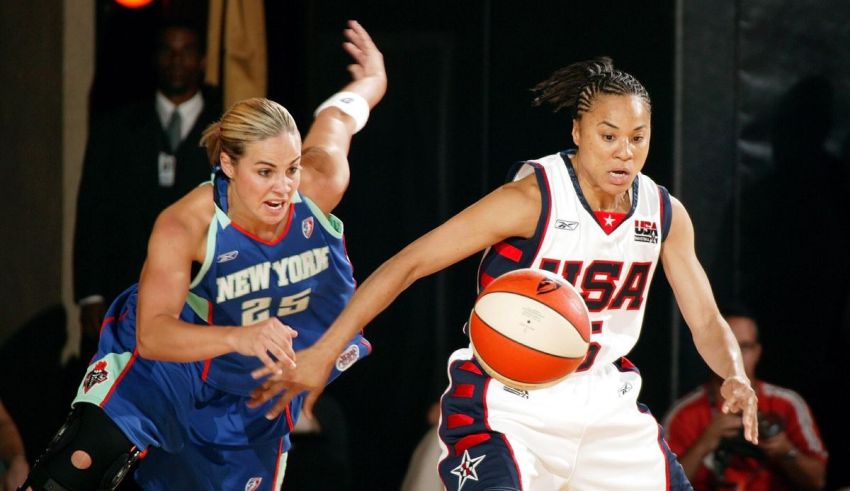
<point x="236" y="49"/>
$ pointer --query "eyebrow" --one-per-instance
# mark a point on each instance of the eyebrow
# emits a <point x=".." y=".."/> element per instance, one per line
<point x="264" y="162"/>
<point x="612" y="125"/>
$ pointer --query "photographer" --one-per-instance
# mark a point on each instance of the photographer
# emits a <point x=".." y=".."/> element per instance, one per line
<point x="710" y="445"/>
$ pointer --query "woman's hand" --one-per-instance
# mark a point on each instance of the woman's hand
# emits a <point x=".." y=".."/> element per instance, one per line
<point x="738" y="395"/>
<point x="270" y="340"/>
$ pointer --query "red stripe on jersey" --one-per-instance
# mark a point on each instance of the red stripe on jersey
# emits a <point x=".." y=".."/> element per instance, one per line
<point x="273" y="241"/>
<point x="464" y="390"/>
<point x="486" y="279"/>
<point x="288" y="413"/>
<point x="120" y="377"/>
<point x="508" y="251"/>
<point x="470" y="441"/>
<point x="106" y="322"/>
<point x="455" y="420"/>
<point x="208" y="362"/>
<point x="470" y="367"/>
<point x="548" y="209"/>
<point x="206" y="371"/>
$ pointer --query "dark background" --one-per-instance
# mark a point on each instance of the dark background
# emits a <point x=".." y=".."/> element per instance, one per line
<point x="749" y="131"/>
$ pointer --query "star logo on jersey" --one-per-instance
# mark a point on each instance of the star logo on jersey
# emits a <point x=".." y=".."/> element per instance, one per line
<point x="307" y="227"/>
<point x="97" y="375"/>
<point x="253" y="484"/>
<point x="466" y="470"/>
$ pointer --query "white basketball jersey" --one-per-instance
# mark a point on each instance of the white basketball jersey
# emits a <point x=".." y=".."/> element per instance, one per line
<point x="612" y="269"/>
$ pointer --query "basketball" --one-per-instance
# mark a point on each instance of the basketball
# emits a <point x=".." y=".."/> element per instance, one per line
<point x="529" y="328"/>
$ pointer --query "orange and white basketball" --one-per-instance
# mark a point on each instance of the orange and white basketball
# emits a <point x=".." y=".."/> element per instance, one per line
<point x="529" y="328"/>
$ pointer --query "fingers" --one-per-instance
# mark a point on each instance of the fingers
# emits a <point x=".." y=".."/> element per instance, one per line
<point x="264" y="392"/>
<point x="310" y="402"/>
<point x="268" y="363"/>
<point x="363" y="50"/>
<point x="358" y="35"/>
<point x="280" y="405"/>
<point x="751" y="426"/>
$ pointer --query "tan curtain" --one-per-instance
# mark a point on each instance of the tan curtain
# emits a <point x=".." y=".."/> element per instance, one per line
<point x="236" y="48"/>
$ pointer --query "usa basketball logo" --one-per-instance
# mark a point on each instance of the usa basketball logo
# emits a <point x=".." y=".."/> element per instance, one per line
<point x="97" y="375"/>
<point x="253" y="483"/>
<point x="307" y="227"/>
<point x="646" y="231"/>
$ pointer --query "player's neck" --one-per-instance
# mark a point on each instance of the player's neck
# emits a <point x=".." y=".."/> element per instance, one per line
<point x="600" y="201"/>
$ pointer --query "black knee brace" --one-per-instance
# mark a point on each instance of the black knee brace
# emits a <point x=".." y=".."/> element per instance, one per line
<point x="90" y="430"/>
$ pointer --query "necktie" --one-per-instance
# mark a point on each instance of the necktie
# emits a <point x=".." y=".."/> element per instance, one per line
<point x="174" y="131"/>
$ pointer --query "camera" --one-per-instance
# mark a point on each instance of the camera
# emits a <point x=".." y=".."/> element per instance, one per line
<point x="770" y="424"/>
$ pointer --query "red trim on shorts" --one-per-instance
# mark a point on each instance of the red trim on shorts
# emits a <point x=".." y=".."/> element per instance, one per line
<point x="470" y="441"/>
<point x="508" y="251"/>
<point x="120" y="377"/>
<point x="277" y="461"/>
<point x="513" y="457"/>
<point x="464" y="390"/>
<point x="273" y="241"/>
<point x="455" y="420"/>
<point x="666" y="462"/>
<point x="470" y="367"/>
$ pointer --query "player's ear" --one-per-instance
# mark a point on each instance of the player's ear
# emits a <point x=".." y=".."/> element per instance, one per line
<point x="576" y="132"/>
<point x="227" y="165"/>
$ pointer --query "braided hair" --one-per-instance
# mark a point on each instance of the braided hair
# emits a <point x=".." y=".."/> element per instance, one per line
<point x="574" y="87"/>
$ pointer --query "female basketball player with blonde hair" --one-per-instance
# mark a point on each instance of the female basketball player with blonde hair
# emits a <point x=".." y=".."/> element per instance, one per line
<point x="590" y="215"/>
<point x="227" y="265"/>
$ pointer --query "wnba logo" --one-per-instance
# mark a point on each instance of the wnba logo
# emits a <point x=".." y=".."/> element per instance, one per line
<point x="253" y="483"/>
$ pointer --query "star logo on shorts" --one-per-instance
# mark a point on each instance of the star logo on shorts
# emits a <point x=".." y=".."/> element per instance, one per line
<point x="466" y="469"/>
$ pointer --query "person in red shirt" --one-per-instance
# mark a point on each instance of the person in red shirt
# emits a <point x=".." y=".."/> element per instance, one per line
<point x="790" y="453"/>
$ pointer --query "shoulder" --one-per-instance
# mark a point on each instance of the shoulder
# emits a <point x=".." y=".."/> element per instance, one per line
<point x="190" y="216"/>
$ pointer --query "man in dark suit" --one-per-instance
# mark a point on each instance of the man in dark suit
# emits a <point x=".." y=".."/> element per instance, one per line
<point x="139" y="159"/>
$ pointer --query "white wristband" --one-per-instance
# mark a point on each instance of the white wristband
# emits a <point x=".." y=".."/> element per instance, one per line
<point x="350" y="103"/>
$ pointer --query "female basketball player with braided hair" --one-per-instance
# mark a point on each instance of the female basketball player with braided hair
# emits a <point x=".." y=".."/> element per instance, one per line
<point x="589" y="214"/>
<point x="228" y="264"/>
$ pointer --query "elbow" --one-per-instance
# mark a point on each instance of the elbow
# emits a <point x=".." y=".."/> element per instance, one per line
<point x="143" y="346"/>
<point x="146" y="343"/>
<point x="338" y="183"/>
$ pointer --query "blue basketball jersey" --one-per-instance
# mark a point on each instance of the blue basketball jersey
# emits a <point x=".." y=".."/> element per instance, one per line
<point x="303" y="277"/>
